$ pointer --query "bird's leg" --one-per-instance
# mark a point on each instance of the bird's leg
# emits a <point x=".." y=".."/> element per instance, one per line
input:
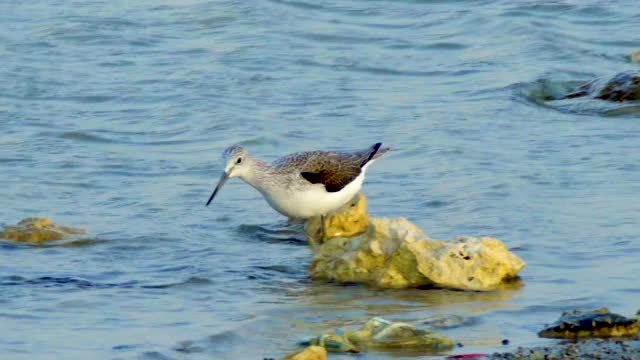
<point x="323" y="231"/>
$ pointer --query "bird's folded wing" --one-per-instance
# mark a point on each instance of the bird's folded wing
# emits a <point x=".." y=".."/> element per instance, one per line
<point x="333" y="170"/>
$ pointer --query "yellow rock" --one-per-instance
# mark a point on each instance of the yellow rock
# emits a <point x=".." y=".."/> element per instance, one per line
<point x="395" y="253"/>
<point x="365" y="333"/>
<point x="350" y="220"/>
<point x="635" y="56"/>
<point x="38" y="230"/>
<point x="310" y="353"/>
<point x="467" y="263"/>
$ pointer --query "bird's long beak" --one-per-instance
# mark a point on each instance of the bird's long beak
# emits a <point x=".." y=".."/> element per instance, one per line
<point x="221" y="182"/>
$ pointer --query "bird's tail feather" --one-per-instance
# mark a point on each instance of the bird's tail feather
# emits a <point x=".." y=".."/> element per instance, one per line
<point x="374" y="152"/>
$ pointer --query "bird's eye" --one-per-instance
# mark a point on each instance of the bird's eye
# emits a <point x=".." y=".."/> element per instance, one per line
<point x="239" y="161"/>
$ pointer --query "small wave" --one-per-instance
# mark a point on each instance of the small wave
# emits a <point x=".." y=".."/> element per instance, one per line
<point x="342" y="38"/>
<point x="86" y="137"/>
<point x="126" y="137"/>
<point x="155" y="355"/>
<point x="125" y="347"/>
<point x="52" y="281"/>
<point x="88" y="99"/>
<point x="279" y="269"/>
<point x="435" y="203"/>
<point x="13" y="160"/>
<point x="299" y="4"/>
<point x="84" y="284"/>
<point x="19" y="316"/>
<point x="403" y="44"/>
<point x="376" y="70"/>
<point x="116" y="63"/>
<point x="444" y="46"/>
<point x="292" y="235"/>
<point x="76" y="243"/>
<point x="631" y="290"/>
<point x="192" y="281"/>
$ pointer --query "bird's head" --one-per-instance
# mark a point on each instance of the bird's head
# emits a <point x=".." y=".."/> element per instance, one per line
<point x="236" y="159"/>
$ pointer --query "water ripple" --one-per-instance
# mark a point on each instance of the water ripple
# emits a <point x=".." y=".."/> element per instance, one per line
<point x="293" y="235"/>
<point x="84" y="284"/>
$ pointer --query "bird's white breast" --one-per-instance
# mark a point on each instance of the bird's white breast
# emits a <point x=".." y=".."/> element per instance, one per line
<point x="313" y="200"/>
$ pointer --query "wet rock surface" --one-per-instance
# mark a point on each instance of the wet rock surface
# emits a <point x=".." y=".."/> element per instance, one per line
<point x="309" y="353"/>
<point x="395" y="253"/>
<point x="351" y="220"/>
<point x="334" y="343"/>
<point x="38" y="230"/>
<point x="624" y="86"/>
<point x="595" y="323"/>
<point x="582" y="327"/>
<point x="379" y="334"/>
<point x="589" y="349"/>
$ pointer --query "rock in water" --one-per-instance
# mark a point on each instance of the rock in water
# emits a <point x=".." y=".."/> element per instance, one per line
<point x="395" y="253"/>
<point x="334" y="343"/>
<point x="310" y="353"/>
<point x="624" y="86"/>
<point x="38" y="230"/>
<point x="380" y="334"/>
<point x="635" y="56"/>
<point x="591" y="349"/>
<point x="597" y="323"/>
<point x="350" y="220"/>
<point x="467" y="263"/>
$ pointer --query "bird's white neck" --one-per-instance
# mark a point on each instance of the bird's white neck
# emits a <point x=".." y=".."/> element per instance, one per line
<point x="258" y="174"/>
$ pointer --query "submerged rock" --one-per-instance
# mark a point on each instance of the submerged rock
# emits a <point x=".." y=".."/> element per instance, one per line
<point x="309" y="353"/>
<point x="449" y="321"/>
<point x="595" y="323"/>
<point x="334" y="343"/>
<point x="395" y="253"/>
<point x="624" y="86"/>
<point x="380" y="334"/>
<point x="38" y="230"/>
<point x="635" y="56"/>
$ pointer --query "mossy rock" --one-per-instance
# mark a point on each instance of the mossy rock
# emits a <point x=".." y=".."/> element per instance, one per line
<point x="383" y="335"/>
<point x="38" y="230"/>
<point x="596" y="323"/>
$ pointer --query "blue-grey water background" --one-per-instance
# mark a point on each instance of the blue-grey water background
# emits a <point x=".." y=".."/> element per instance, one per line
<point x="113" y="115"/>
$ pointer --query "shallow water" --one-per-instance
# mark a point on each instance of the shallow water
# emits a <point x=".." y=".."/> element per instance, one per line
<point x="113" y="115"/>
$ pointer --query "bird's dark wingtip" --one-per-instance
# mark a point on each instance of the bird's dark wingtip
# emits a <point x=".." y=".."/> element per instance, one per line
<point x="372" y="153"/>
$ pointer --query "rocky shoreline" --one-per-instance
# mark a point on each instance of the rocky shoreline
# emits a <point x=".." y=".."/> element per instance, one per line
<point x="596" y="349"/>
<point x="590" y="349"/>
